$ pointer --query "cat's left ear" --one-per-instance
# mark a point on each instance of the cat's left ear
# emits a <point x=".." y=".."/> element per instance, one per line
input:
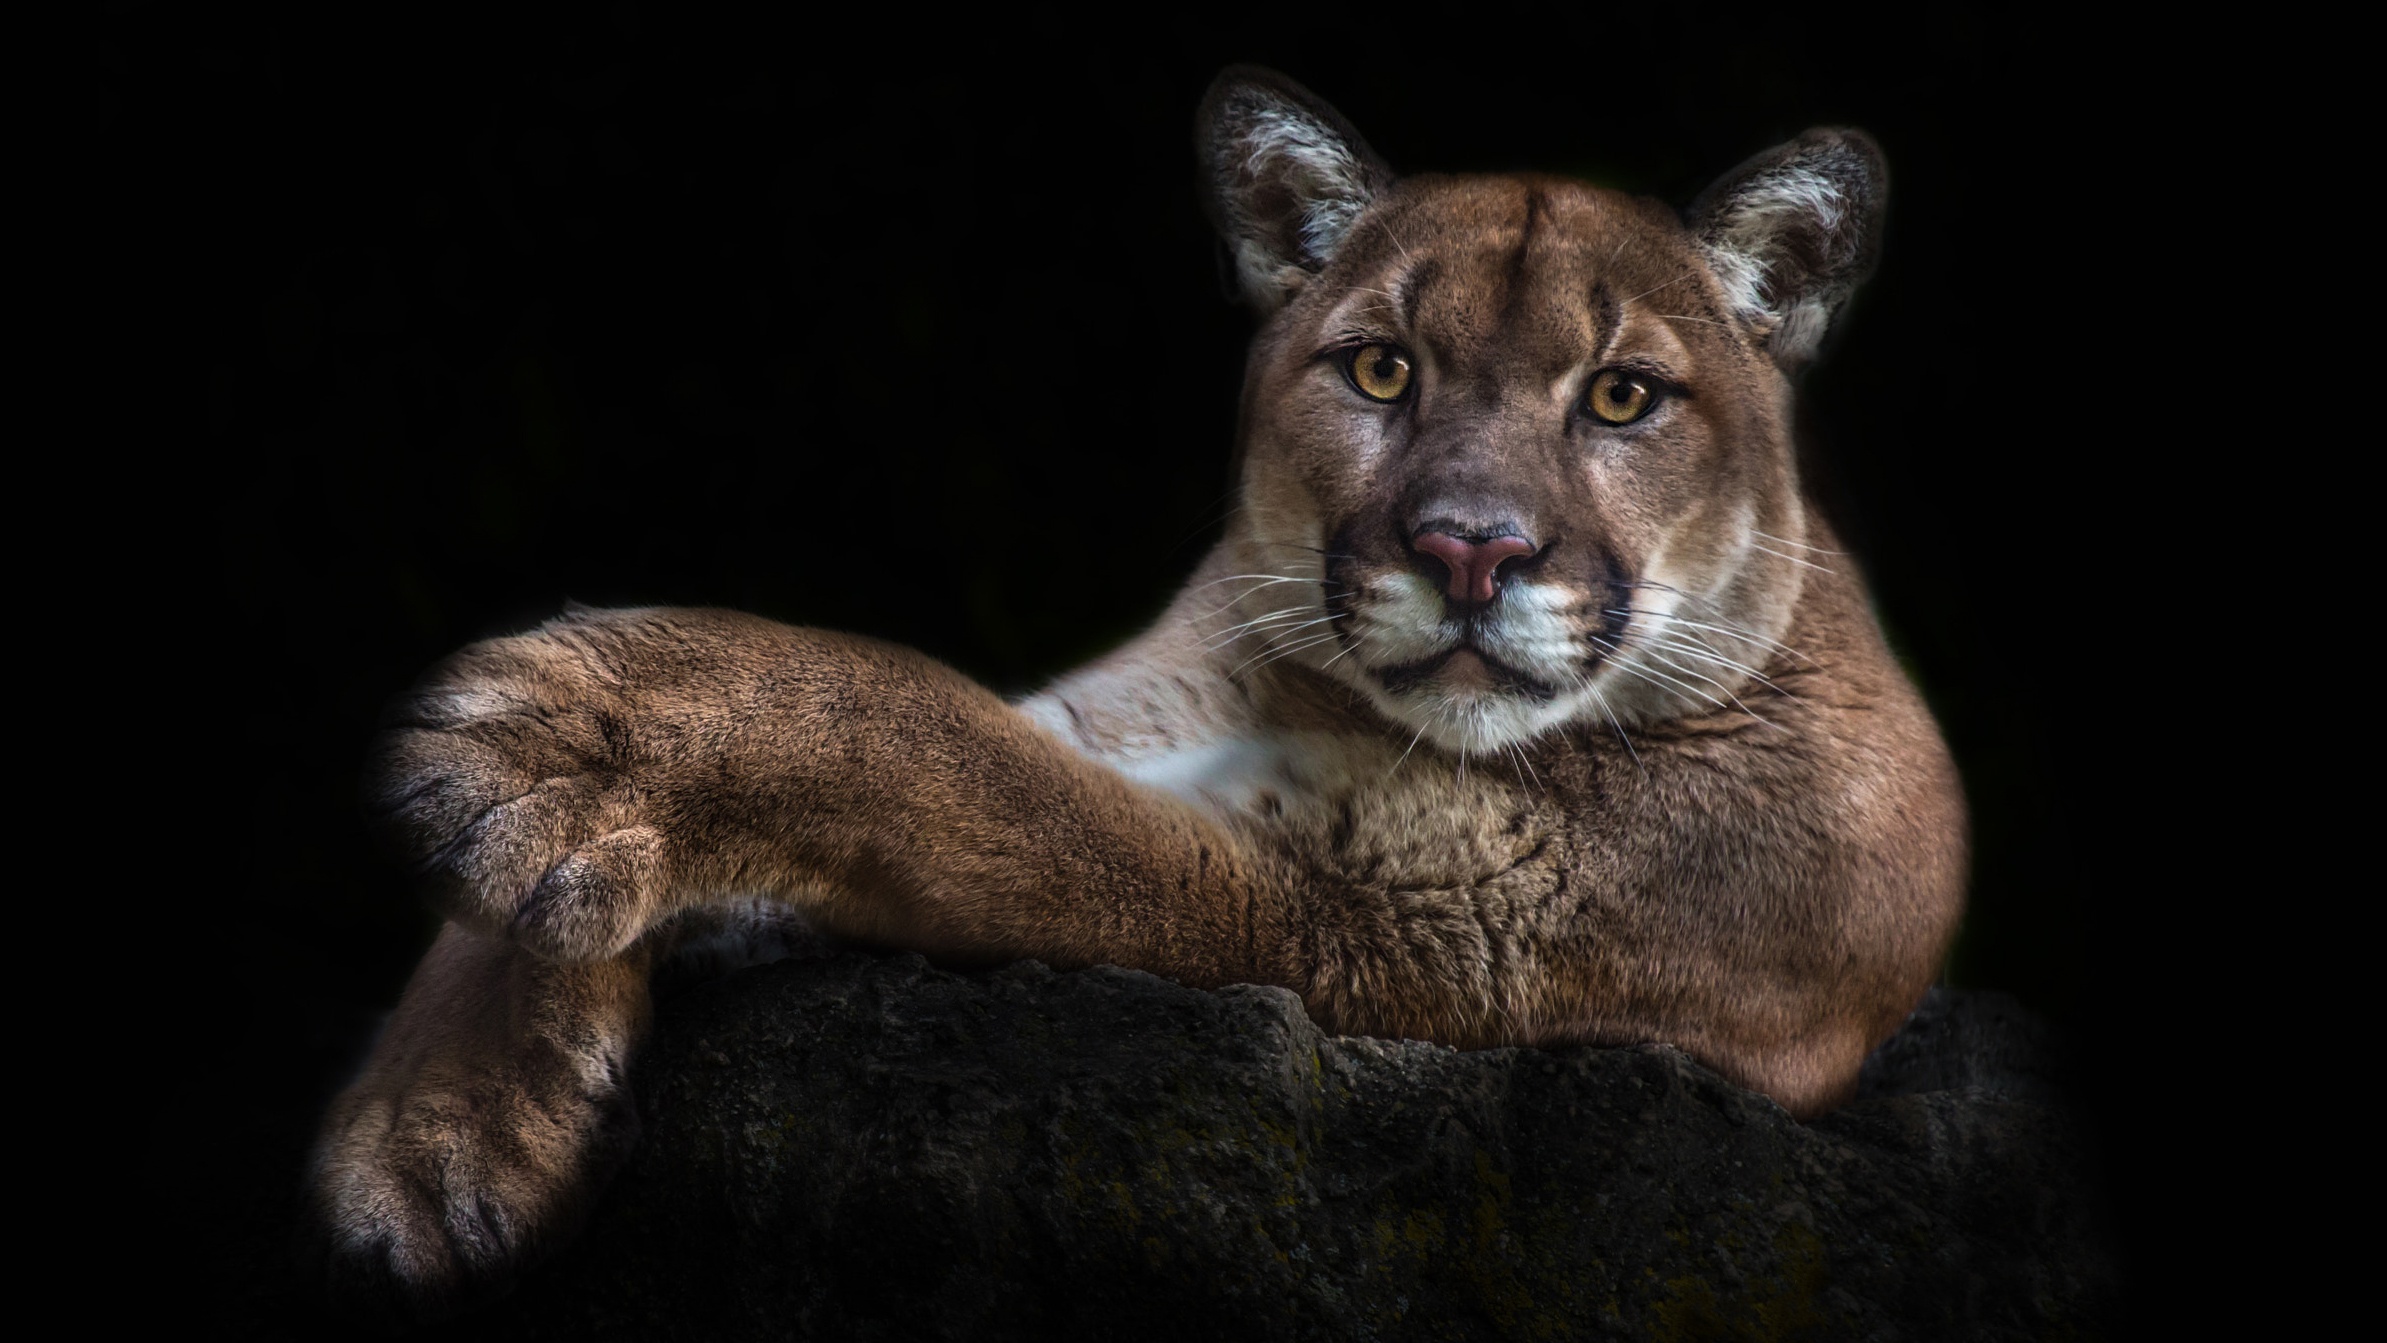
<point x="1793" y="232"/>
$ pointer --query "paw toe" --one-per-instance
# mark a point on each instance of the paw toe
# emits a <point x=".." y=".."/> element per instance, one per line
<point x="598" y="900"/>
<point x="414" y="1237"/>
<point x="424" y="788"/>
<point x="384" y="1253"/>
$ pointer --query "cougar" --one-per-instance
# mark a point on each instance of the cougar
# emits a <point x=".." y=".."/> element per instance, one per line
<point x="1525" y="701"/>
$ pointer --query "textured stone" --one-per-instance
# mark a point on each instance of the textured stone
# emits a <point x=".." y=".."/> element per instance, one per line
<point x="858" y="1147"/>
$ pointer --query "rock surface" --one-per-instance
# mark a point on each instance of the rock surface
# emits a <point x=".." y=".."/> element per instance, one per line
<point x="859" y="1147"/>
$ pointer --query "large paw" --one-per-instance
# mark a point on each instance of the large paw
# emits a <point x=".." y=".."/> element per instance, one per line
<point x="429" y="1197"/>
<point x="511" y="780"/>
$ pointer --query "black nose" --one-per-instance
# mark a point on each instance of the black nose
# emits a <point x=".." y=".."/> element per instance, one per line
<point x="1473" y="567"/>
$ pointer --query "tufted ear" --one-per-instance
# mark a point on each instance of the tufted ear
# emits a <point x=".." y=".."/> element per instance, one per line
<point x="1284" y="175"/>
<point x="1793" y="231"/>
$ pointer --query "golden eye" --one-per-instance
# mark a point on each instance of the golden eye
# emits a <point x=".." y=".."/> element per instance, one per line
<point x="1380" y="371"/>
<point x="1619" y="397"/>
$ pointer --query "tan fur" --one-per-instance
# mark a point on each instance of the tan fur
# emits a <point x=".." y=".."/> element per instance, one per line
<point x="1755" y="853"/>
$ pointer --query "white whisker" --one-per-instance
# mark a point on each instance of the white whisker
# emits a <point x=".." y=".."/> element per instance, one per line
<point x="1273" y="652"/>
<point x="1517" y="749"/>
<point x="1819" y="568"/>
<point x="1655" y="288"/>
<point x="1280" y="578"/>
<point x="1602" y="701"/>
<point x="1709" y="655"/>
<point x="1292" y="617"/>
<point x="1736" y="700"/>
<point x="1270" y="580"/>
<point x="1786" y="541"/>
<point x="1413" y="741"/>
<point x="1355" y="643"/>
<point x="1625" y="664"/>
<point x="1729" y="631"/>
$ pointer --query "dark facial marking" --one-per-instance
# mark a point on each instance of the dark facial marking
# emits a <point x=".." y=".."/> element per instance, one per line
<point x="1607" y="632"/>
<point x="1410" y="675"/>
<point x="1412" y="287"/>
<point x="1515" y="281"/>
<point x="1607" y="314"/>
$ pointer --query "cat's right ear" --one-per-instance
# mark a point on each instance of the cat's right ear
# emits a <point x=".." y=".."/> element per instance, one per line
<point x="1284" y="176"/>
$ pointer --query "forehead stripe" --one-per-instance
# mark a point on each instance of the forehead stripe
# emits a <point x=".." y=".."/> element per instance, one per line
<point x="1412" y="288"/>
<point x="1517" y="284"/>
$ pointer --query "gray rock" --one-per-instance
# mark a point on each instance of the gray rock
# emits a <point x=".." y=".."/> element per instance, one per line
<point x="1975" y="1041"/>
<point x="856" y="1147"/>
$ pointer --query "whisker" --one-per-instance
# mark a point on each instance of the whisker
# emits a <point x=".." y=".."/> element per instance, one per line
<point x="1282" y="610"/>
<point x="1654" y="585"/>
<point x="1655" y="288"/>
<point x="1355" y="643"/>
<point x="1624" y="663"/>
<point x="1237" y="600"/>
<point x="1602" y="701"/>
<point x="1784" y="540"/>
<point x="1311" y="642"/>
<point x="1684" y="630"/>
<point x="1292" y="613"/>
<point x="1296" y="545"/>
<point x="1396" y="765"/>
<point x="1632" y="669"/>
<point x="1395" y="239"/>
<point x="1228" y="636"/>
<point x="1517" y="749"/>
<point x="1819" y="568"/>
<point x="1736" y="700"/>
<point x="1277" y="578"/>
<point x="1729" y="631"/>
<point x="1665" y="682"/>
<point x="1706" y="654"/>
<point x="1273" y="651"/>
<point x="1314" y="550"/>
<point x="1232" y="602"/>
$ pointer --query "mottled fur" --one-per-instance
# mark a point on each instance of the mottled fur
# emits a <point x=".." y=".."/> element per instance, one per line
<point x="1669" y="786"/>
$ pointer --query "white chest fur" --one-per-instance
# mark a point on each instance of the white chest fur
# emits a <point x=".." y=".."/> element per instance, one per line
<point x="1228" y="773"/>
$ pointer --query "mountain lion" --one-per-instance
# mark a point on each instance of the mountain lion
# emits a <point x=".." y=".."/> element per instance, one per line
<point x="1525" y="701"/>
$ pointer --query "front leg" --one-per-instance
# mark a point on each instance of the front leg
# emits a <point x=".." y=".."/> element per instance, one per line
<point x="492" y="1106"/>
<point x="567" y="793"/>
<point x="570" y="788"/>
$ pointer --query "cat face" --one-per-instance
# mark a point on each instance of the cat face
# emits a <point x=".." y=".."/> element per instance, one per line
<point x="1523" y="443"/>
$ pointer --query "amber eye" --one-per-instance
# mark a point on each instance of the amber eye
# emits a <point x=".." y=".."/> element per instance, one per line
<point x="1619" y="397"/>
<point x="1380" y="371"/>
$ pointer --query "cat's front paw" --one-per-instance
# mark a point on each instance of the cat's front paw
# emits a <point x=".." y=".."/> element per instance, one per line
<point x="430" y="1194"/>
<point x="513" y="781"/>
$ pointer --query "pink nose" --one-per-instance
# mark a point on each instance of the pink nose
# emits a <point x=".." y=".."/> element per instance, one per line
<point x="1472" y="564"/>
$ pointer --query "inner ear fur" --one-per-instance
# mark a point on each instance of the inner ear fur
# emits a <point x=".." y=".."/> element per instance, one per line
<point x="1793" y="232"/>
<point x="1284" y="176"/>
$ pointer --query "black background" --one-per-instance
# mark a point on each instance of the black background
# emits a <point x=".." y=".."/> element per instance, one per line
<point x="898" y="326"/>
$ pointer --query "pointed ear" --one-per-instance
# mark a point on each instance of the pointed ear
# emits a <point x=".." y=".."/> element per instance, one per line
<point x="1793" y="231"/>
<point x="1284" y="176"/>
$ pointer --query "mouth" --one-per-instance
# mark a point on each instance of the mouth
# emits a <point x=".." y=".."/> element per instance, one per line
<point x="1463" y="666"/>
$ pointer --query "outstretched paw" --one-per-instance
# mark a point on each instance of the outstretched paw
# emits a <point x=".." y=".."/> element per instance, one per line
<point x="510" y="780"/>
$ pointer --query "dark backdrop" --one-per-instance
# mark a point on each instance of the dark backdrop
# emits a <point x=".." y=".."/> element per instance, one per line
<point x="916" y="329"/>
